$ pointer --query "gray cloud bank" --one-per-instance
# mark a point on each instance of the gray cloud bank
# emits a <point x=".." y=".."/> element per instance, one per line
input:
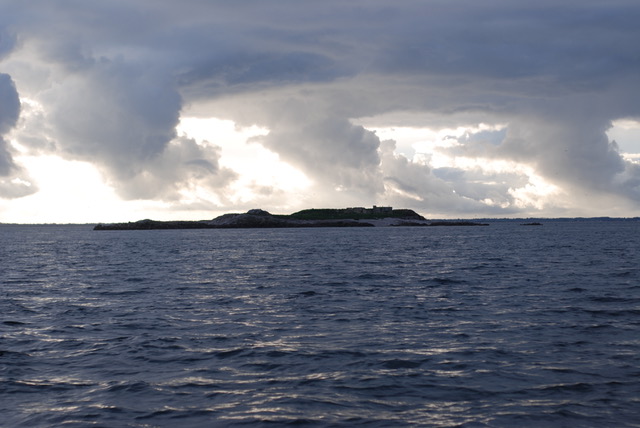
<point x="115" y="77"/>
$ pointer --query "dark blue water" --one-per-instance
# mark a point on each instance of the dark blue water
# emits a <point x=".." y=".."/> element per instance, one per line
<point x="497" y="326"/>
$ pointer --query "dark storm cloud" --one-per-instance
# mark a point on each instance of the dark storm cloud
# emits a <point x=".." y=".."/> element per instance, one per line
<point x="571" y="42"/>
<point x="115" y="77"/>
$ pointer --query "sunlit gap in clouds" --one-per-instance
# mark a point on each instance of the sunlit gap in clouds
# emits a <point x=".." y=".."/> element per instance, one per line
<point x="626" y="134"/>
<point x="70" y="192"/>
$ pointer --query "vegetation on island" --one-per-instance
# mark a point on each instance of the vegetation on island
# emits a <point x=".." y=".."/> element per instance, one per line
<point x="354" y="214"/>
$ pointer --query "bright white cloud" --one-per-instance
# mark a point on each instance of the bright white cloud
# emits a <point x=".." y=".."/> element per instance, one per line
<point x="626" y="133"/>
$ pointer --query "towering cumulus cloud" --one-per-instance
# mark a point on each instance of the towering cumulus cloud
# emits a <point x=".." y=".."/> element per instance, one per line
<point x="118" y="115"/>
<point x="521" y="97"/>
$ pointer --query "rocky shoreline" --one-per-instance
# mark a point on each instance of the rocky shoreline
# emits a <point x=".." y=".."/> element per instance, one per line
<point x="360" y="217"/>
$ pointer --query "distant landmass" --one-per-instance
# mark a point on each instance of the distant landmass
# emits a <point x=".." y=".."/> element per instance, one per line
<point x="323" y="217"/>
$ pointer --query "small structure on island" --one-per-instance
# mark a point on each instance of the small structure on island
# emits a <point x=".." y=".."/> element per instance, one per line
<point x="374" y="210"/>
<point x="382" y="209"/>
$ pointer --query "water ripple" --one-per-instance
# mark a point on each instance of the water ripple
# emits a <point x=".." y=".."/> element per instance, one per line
<point x="498" y="326"/>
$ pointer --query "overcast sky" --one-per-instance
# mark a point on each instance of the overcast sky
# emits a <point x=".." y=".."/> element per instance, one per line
<point x="125" y="109"/>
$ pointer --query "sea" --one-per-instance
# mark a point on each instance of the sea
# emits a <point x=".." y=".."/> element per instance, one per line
<point x="504" y="325"/>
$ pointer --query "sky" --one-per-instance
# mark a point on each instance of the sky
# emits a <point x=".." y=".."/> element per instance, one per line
<point x="120" y="110"/>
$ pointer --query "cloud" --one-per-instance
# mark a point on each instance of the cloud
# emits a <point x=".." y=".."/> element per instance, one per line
<point x="9" y="112"/>
<point x="444" y="190"/>
<point x="14" y="181"/>
<point x="7" y="42"/>
<point x="114" y="79"/>
<point x="577" y="153"/>
<point x="113" y="113"/>
<point x="121" y="116"/>
<point x="329" y="149"/>
<point x="182" y="166"/>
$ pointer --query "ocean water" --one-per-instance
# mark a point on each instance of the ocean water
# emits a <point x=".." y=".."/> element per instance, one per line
<point x="498" y="326"/>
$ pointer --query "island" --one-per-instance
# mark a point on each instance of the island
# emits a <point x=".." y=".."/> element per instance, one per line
<point x="315" y="217"/>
